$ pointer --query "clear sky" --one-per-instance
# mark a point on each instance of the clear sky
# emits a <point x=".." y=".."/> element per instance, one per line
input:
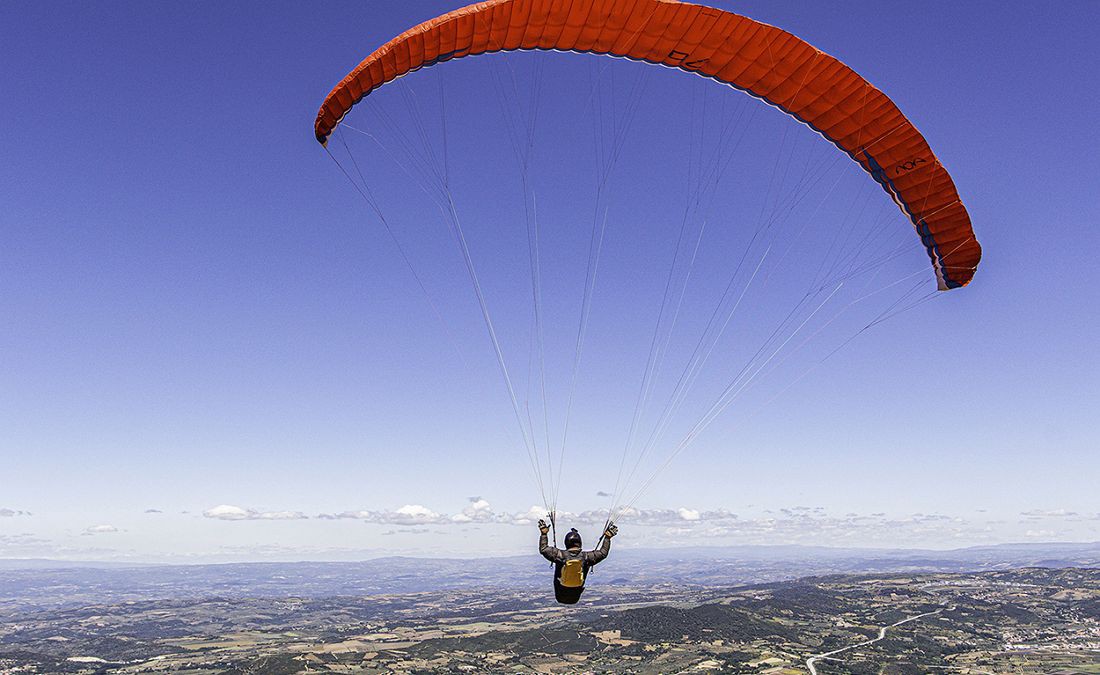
<point x="210" y="349"/>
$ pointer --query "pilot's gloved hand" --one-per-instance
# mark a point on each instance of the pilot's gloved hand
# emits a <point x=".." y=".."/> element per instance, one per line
<point x="543" y="527"/>
<point x="611" y="531"/>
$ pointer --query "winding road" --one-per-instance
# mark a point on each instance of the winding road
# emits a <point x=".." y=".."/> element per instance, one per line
<point x="881" y="634"/>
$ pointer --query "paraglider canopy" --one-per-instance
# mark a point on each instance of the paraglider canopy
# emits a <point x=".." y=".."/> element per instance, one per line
<point x="762" y="60"/>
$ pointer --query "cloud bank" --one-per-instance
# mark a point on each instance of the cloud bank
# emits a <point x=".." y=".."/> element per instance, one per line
<point x="229" y="512"/>
<point x="100" y="529"/>
<point x="688" y="525"/>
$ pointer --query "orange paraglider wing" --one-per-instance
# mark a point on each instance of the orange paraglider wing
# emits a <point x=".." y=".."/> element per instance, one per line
<point x="762" y="60"/>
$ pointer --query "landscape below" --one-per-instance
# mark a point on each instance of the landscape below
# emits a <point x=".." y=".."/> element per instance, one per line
<point x="898" y="615"/>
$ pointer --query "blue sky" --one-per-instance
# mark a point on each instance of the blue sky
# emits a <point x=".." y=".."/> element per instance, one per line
<point x="196" y="309"/>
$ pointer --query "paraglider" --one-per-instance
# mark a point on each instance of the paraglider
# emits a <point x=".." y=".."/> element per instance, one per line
<point x="761" y="60"/>
<point x="571" y="564"/>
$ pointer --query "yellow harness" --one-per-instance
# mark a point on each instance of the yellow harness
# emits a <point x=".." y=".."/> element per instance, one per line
<point x="572" y="573"/>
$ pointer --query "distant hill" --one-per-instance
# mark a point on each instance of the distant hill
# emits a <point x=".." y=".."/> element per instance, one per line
<point x="44" y="583"/>
<point x="48" y="564"/>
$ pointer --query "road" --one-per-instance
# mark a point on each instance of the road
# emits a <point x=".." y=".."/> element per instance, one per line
<point x="881" y="634"/>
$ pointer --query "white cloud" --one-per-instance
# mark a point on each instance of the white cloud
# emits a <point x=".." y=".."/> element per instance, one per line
<point x="281" y="515"/>
<point x="1048" y="513"/>
<point x="478" y="511"/>
<point x="229" y="512"/>
<point x="655" y="517"/>
<point x="25" y="539"/>
<point x="415" y="514"/>
<point x="11" y="513"/>
<point x="408" y="530"/>
<point x="688" y="514"/>
<point x="409" y="514"/>
<point x="344" y="515"/>
<point x="687" y="525"/>
<point x="100" y="529"/>
<point x="532" y="516"/>
<point x="927" y="518"/>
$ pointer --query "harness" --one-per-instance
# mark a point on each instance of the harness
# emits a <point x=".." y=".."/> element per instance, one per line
<point x="572" y="573"/>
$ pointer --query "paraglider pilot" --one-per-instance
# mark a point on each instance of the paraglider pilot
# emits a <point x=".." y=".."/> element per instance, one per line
<point x="572" y="564"/>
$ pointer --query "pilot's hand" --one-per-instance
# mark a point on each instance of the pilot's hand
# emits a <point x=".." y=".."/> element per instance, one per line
<point x="611" y="531"/>
<point x="543" y="527"/>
